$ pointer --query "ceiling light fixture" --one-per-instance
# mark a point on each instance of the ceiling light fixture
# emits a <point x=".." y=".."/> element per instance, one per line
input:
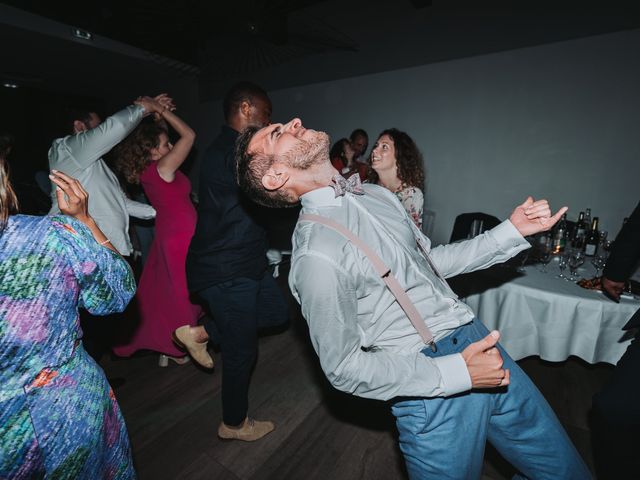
<point x="81" y="34"/>
<point x="9" y="85"/>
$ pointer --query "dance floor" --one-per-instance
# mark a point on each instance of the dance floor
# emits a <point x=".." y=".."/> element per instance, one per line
<point x="173" y="413"/>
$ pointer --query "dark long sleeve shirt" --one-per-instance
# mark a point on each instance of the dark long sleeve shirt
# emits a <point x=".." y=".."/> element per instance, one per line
<point x="228" y="242"/>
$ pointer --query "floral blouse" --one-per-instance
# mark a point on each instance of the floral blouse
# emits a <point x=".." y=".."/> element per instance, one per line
<point x="412" y="200"/>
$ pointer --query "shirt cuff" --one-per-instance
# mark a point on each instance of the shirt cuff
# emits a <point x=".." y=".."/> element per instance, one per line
<point x="454" y="373"/>
<point x="508" y="237"/>
<point x="136" y="112"/>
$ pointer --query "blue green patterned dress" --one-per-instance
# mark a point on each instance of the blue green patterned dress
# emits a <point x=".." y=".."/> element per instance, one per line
<point x="58" y="416"/>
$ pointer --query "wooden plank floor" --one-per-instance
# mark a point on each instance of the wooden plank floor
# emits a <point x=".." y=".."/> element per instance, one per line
<point x="172" y="415"/>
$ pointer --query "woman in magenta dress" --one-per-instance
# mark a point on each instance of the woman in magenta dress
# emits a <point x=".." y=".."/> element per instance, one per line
<point x="147" y="157"/>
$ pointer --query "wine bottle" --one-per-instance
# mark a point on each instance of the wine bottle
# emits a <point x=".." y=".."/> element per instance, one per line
<point x="602" y="243"/>
<point x="579" y="232"/>
<point x="587" y="219"/>
<point x="560" y="235"/>
<point x="592" y="239"/>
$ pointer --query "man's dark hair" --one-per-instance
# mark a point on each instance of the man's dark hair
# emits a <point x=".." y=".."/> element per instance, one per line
<point x="240" y="92"/>
<point x="249" y="172"/>
<point x="358" y="132"/>
<point x="251" y="167"/>
<point x="73" y="113"/>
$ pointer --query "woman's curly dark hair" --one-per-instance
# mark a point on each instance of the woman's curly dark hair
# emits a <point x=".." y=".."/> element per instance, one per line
<point x="408" y="159"/>
<point x="133" y="154"/>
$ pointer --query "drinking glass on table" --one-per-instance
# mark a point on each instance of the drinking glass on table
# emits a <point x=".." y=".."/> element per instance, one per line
<point x="576" y="258"/>
<point x="563" y="261"/>
<point x="544" y="254"/>
<point x="520" y="260"/>
<point x="599" y="261"/>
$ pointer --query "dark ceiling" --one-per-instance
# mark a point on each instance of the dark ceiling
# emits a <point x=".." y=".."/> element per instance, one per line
<point x="282" y="43"/>
<point x="181" y="30"/>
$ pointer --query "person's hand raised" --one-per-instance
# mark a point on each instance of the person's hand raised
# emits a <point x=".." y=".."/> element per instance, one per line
<point x="73" y="200"/>
<point x="165" y="101"/>
<point x="150" y="105"/>
<point x="534" y="216"/>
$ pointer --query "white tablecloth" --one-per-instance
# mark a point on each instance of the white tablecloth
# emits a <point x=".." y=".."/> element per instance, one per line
<point x="539" y="314"/>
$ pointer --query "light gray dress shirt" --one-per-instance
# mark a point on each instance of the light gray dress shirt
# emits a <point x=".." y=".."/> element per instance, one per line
<point x="348" y="306"/>
<point x="80" y="156"/>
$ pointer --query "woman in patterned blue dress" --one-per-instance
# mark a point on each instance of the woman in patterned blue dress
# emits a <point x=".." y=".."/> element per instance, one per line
<point x="58" y="415"/>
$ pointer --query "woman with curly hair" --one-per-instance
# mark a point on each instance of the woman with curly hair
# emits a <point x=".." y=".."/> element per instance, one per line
<point x="396" y="165"/>
<point x="147" y="157"/>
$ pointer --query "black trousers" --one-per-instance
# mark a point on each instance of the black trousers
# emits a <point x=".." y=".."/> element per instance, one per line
<point x="239" y="308"/>
<point x="616" y="420"/>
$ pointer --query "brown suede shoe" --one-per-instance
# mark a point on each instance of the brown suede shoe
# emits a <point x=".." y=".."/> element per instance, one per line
<point x="250" y="430"/>
<point x="198" y="350"/>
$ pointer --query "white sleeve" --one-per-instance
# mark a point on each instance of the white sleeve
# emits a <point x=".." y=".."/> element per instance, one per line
<point x="138" y="209"/>
<point x="493" y="246"/>
<point x="327" y="295"/>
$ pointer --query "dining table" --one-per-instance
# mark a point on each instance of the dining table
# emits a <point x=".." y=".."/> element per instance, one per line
<point x="538" y="313"/>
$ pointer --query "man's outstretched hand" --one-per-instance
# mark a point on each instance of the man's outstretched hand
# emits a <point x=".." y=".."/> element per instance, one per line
<point x="534" y="216"/>
<point x="484" y="363"/>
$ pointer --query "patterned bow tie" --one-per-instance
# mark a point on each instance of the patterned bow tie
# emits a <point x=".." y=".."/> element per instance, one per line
<point x="342" y="185"/>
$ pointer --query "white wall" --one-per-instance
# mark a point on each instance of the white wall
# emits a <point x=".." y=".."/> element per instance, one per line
<point x="558" y="120"/>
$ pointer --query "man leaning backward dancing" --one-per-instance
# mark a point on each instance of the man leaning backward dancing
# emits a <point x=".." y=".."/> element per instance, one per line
<point x="449" y="399"/>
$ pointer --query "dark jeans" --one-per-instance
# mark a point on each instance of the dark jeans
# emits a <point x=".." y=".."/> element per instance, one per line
<point x="239" y="308"/>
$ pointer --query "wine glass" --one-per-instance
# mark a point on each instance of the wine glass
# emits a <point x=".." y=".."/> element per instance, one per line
<point x="522" y="258"/>
<point x="563" y="260"/>
<point x="576" y="258"/>
<point x="599" y="261"/>
<point x="544" y="256"/>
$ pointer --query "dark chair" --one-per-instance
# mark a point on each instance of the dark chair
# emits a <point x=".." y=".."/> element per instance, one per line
<point x="462" y="225"/>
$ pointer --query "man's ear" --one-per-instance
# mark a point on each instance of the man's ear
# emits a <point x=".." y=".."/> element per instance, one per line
<point x="79" y="126"/>
<point x="245" y="109"/>
<point x="275" y="178"/>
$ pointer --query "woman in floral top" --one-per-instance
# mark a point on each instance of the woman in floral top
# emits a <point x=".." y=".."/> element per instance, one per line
<point x="396" y="165"/>
<point x="58" y="415"/>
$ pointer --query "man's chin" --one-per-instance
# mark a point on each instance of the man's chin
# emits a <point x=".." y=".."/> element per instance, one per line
<point x="313" y="151"/>
<point x="321" y="145"/>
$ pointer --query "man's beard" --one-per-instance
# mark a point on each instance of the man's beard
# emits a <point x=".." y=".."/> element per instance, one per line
<point x="310" y="152"/>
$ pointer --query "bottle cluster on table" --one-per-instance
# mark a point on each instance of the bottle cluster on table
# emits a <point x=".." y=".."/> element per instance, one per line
<point x="582" y="235"/>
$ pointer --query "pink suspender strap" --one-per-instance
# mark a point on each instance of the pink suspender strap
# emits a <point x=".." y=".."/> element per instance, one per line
<point x="385" y="273"/>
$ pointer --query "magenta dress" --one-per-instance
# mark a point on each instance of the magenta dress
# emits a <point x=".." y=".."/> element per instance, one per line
<point x="162" y="296"/>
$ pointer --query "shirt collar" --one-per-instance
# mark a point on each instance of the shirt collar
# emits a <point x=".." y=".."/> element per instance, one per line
<point x="321" y="197"/>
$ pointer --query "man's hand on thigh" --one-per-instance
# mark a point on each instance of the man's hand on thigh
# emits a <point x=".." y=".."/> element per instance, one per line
<point x="484" y="363"/>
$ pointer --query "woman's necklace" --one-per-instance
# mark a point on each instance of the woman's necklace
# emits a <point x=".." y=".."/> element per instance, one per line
<point x="394" y="189"/>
